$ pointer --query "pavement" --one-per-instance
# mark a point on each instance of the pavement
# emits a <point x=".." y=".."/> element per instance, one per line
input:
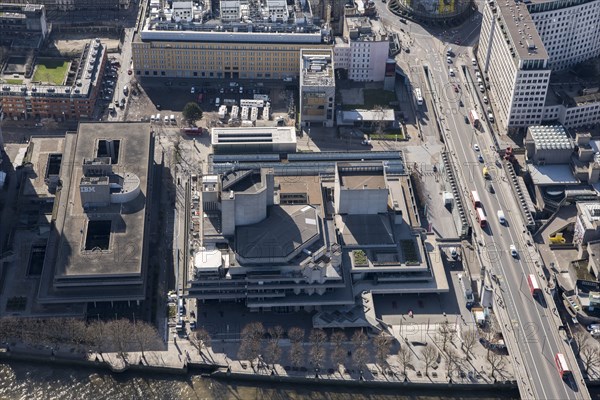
<point x="179" y="352"/>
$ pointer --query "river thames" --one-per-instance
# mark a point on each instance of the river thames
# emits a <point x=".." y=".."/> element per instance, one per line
<point x="24" y="381"/>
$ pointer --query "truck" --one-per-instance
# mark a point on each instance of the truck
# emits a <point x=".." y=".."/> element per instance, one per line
<point x="474" y="118"/>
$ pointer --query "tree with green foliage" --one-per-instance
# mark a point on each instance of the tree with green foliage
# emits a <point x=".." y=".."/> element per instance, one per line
<point x="192" y="112"/>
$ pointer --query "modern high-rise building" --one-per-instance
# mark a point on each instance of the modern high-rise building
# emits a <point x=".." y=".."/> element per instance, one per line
<point x="513" y="58"/>
<point x="522" y="43"/>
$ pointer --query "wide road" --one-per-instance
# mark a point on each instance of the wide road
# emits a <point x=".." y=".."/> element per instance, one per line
<point x="531" y="323"/>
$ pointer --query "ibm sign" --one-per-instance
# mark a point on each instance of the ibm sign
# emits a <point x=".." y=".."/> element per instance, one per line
<point x="87" y="189"/>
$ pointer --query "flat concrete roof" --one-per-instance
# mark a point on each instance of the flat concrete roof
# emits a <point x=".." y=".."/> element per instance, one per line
<point x="362" y="180"/>
<point x="558" y="174"/>
<point x="518" y="23"/>
<point x="309" y="184"/>
<point x="365" y="229"/>
<point x="285" y="229"/>
<point x="42" y="148"/>
<point x="67" y="261"/>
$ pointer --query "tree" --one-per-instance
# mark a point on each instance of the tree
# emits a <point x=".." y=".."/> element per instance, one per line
<point x="273" y="350"/>
<point x="145" y="336"/>
<point x="121" y="334"/>
<point x="382" y="343"/>
<point x="497" y="362"/>
<point x="251" y="341"/>
<point x="201" y="339"/>
<point x="590" y="355"/>
<point x="192" y="112"/>
<point x="430" y="354"/>
<point x="469" y="337"/>
<point x="581" y="339"/>
<point x="451" y="357"/>
<point x="296" y="336"/>
<point x="405" y="357"/>
<point x="96" y="336"/>
<point x="338" y="354"/>
<point x="446" y="333"/>
<point x="360" y="354"/>
<point x="317" y="338"/>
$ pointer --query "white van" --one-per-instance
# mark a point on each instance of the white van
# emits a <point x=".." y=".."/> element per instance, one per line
<point x="172" y="119"/>
<point x="451" y="72"/>
<point x="157" y="117"/>
<point x="473" y="61"/>
<point x="501" y="217"/>
<point x="152" y="118"/>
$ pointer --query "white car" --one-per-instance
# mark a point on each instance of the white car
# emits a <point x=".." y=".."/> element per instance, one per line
<point x="476" y="147"/>
<point x="485" y="99"/>
<point x="193" y="90"/>
<point x="513" y="251"/>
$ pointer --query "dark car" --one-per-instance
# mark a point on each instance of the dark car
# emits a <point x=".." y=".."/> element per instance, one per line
<point x="466" y="119"/>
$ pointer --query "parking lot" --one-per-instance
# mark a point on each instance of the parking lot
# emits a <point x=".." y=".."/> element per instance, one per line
<point x="169" y="96"/>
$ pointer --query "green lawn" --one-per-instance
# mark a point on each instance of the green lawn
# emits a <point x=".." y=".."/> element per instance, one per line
<point x="51" y="71"/>
<point x="14" y="81"/>
<point x="373" y="97"/>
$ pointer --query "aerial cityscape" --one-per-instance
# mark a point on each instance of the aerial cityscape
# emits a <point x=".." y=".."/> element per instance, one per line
<point x="231" y="199"/>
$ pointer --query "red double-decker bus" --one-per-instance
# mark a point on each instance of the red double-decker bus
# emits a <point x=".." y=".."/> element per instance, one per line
<point x="481" y="217"/>
<point x="475" y="199"/>
<point x="534" y="288"/>
<point x="561" y="364"/>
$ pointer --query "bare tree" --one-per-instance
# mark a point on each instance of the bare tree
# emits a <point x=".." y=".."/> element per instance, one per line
<point x="317" y="338"/>
<point x="497" y="362"/>
<point x="145" y="336"/>
<point x="121" y="335"/>
<point x="96" y="334"/>
<point x="451" y="357"/>
<point x="338" y="354"/>
<point x="296" y="336"/>
<point x="581" y="339"/>
<point x="201" y="339"/>
<point x="590" y="355"/>
<point x="430" y="354"/>
<point x="251" y="339"/>
<point x="383" y="344"/>
<point x="273" y="350"/>
<point x="469" y="338"/>
<point x="446" y="333"/>
<point x="360" y="354"/>
<point x="405" y="357"/>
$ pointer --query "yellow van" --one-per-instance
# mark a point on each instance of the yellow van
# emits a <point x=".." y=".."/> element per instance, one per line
<point x="486" y="173"/>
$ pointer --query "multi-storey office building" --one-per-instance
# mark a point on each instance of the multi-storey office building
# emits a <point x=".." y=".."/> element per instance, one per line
<point x="74" y="98"/>
<point x="253" y="41"/>
<point x="569" y="29"/>
<point x="317" y="87"/>
<point x="521" y="43"/>
<point x="511" y="54"/>
<point x="363" y="50"/>
<point x="97" y="250"/>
